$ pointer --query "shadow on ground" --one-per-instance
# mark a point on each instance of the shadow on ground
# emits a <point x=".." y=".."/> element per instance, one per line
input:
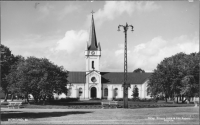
<point x="5" y="115"/>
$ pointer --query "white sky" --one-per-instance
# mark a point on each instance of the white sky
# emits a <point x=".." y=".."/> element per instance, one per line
<point x="59" y="31"/>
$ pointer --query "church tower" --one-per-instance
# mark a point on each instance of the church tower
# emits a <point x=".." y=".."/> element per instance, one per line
<point x="93" y="51"/>
<point x="93" y="86"/>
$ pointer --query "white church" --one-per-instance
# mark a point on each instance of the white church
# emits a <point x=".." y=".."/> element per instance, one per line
<point x="103" y="85"/>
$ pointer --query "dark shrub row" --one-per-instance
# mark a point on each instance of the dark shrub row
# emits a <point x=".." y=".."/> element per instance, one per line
<point x="95" y="99"/>
<point x="137" y="99"/>
<point x="65" y="100"/>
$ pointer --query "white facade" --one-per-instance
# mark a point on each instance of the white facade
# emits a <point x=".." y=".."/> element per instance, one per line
<point x="100" y="91"/>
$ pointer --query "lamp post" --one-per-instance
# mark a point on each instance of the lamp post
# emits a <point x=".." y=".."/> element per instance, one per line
<point x="125" y="84"/>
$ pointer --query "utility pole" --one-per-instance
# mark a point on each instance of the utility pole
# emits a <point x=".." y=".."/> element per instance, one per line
<point x="125" y="83"/>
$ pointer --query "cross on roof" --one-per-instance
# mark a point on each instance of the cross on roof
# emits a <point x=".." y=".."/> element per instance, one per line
<point x="92" y="12"/>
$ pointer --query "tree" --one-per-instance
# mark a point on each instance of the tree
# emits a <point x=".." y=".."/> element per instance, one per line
<point x="6" y="63"/>
<point x="135" y="92"/>
<point x="176" y="74"/>
<point x="189" y="87"/>
<point x="54" y="79"/>
<point x="35" y="76"/>
<point x="41" y="78"/>
<point x="12" y="78"/>
<point x="139" y="70"/>
<point x="190" y="65"/>
<point x="167" y="78"/>
<point x="156" y="85"/>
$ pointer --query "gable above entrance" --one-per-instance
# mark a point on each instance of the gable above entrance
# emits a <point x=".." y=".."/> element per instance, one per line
<point x="94" y="72"/>
<point x="94" y="77"/>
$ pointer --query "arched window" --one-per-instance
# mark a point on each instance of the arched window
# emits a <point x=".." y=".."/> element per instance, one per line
<point x="135" y="92"/>
<point x="93" y="64"/>
<point x="69" y="92"/>
<point x="80" y="91"/>
<point x="106" y="92"/>
<point x="116" y="91"/>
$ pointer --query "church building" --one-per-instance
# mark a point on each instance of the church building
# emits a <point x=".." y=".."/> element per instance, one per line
<point x="103" y="85"/>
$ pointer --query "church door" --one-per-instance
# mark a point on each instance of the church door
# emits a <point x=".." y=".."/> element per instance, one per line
<point x="93" y="92"/>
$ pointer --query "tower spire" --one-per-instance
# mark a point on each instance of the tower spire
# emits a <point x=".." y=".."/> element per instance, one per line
<point x="92" y="38"/>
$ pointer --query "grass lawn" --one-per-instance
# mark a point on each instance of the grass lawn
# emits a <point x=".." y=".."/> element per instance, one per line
<point x="162" y="115"/>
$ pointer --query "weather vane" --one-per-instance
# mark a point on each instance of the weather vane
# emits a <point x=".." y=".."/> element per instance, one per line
<point x="92" y="12"/>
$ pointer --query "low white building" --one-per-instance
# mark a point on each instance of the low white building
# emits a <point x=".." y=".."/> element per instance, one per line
<point x="95" y="84"/>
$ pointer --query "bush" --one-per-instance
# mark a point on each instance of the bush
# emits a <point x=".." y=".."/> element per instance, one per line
<point x="143" y="100"/>
<point x="105" y="98"/>
<point x="65" y="100"/>
<point x="118" y="99"/>
<point x="135" y="99"/>
<point x="69" y="99"/>
<point x="95" y="99"/>
<point x="152" y="100"/>
<point x="4" y="103"/>
<point x="161" y="97"/>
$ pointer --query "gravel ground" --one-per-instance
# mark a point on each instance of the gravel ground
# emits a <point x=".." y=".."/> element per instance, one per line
<point x="164" y="115"/>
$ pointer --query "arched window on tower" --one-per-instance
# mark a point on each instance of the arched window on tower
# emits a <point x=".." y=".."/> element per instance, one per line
<point x="106" y="92"/>
<point x="92" y="64"/>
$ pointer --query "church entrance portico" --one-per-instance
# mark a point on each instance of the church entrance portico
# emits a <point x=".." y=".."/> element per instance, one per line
<point x="93" y="92"/>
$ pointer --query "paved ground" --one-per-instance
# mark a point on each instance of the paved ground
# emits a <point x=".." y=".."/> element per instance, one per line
<point x="172" y="115"/>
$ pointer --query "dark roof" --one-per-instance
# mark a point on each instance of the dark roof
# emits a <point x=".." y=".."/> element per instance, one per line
<point x="76" y="77"/>
<point x="110" y="77"/>
<point x="118" y="77"/>
<point x="92" y="37"/>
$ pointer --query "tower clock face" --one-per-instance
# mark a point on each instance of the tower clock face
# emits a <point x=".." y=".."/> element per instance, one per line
<point x="93" y="79"/>
<point x="93" y="52"/>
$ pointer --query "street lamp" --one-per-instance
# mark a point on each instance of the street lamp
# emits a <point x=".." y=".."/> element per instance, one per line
<point x="125" y="83"/>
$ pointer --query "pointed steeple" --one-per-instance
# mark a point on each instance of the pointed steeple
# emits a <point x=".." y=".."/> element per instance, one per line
<point x="99" y="47"/>
<point x="86" y="48"/>
<point x="92" y="38"/>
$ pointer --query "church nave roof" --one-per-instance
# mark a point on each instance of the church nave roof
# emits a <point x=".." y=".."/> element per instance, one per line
<point x="110" y="77"/>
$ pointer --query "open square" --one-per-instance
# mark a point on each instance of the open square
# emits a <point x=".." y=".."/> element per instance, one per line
<point x="165" y="115"/>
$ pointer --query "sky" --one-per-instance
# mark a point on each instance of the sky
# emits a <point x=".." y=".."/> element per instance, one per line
<point x="59" y="31"/>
